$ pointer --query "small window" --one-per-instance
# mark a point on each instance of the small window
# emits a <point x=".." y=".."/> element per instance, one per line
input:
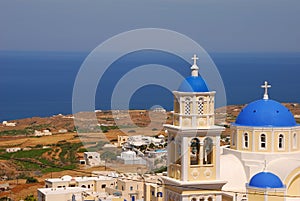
<point x="193" y="199"/>
<point x="131" y="188"/>
<point x="295" y="140"/>
<point x="160" y="194"/>
<point x="194" y="151"/>
<point x="103" y="185"/>
<point x="187" y="106"/>
<point x="262" y="141"/>
<point x="233" y="139"/>
<point x="200" y="105"/>
<point x="207" y="151"/>
<point x="246" y="140"/>
<point x="152" y="192"/>
<point x="280" y="141"/>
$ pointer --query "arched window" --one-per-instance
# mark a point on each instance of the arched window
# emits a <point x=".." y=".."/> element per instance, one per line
<point x="246" y="140"/>
<point x="194" y="151"/>
<point x="187" y="106"/>
<point x="295" y="140"/>
<point x="207" y="150"/>
<point x="200" y="105"/>
<point x="280" y="141"/>
<point x="193" y="199"/>
<point x="262" y="141"/>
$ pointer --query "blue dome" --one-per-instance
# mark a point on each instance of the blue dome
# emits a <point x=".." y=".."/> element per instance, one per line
<point x="265" y="180"/>
<point x="193" y="84"/>
<point x="265" y="113"/>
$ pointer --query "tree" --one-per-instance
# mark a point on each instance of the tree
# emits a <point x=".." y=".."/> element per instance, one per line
<point x="152" y="145"/>
<point x="30" y="198"/>
<point x="31" y="180"/>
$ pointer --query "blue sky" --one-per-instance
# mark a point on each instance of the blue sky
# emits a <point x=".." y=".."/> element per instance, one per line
<point x="218" y="26"/>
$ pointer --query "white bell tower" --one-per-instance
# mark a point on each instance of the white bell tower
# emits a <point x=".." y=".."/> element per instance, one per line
<point x="193" y="144"/>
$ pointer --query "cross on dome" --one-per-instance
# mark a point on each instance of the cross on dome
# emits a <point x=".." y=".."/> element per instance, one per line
<point x="266" y="86"/>
<point x="194" y="67"/>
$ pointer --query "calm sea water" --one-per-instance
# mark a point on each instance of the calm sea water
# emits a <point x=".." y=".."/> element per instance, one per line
<point x="41" y="83"/>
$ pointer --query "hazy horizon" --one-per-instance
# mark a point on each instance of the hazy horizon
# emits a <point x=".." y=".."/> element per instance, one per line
<point x="218" y="26"/>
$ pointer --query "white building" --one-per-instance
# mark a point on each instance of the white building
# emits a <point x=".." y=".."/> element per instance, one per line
<point x="42" y="133"/>
<point x="140" y="140"/>
<point x="9" y="124"/>
<point x="93" y="159"/>
<point x="62" y="194"/>
<point x="62" y="131"/>
<point x="95" y="184"/>
<point x="130" y="158"/>
<point x="13" y="149"/>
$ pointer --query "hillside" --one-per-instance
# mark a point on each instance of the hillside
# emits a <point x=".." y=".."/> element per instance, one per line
<point x="58" y="154"/>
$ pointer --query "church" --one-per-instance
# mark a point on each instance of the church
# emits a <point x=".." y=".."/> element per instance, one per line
<point x="262" y="162"/>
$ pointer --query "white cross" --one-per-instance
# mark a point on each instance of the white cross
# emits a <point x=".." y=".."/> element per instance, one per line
<point x="266" y="86"/>
<point x="195" y="58"/>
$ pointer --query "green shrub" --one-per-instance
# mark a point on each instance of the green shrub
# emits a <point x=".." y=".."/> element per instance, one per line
<point x="81" y="150"/>
<point x="160" y="170"/>
<point x="30" y="198"/>
<point x="30" y="180"/>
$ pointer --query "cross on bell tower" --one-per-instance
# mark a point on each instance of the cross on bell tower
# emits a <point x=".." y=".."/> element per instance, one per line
<point x="195" y="58"/>
<point x="266" y="86"/>
<point x="195" y="68"/>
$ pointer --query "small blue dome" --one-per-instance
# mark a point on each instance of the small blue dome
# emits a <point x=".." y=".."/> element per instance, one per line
<point x="265" y="180"/>
<point x="193" y="84"/>
<point x="265" y="113"/>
